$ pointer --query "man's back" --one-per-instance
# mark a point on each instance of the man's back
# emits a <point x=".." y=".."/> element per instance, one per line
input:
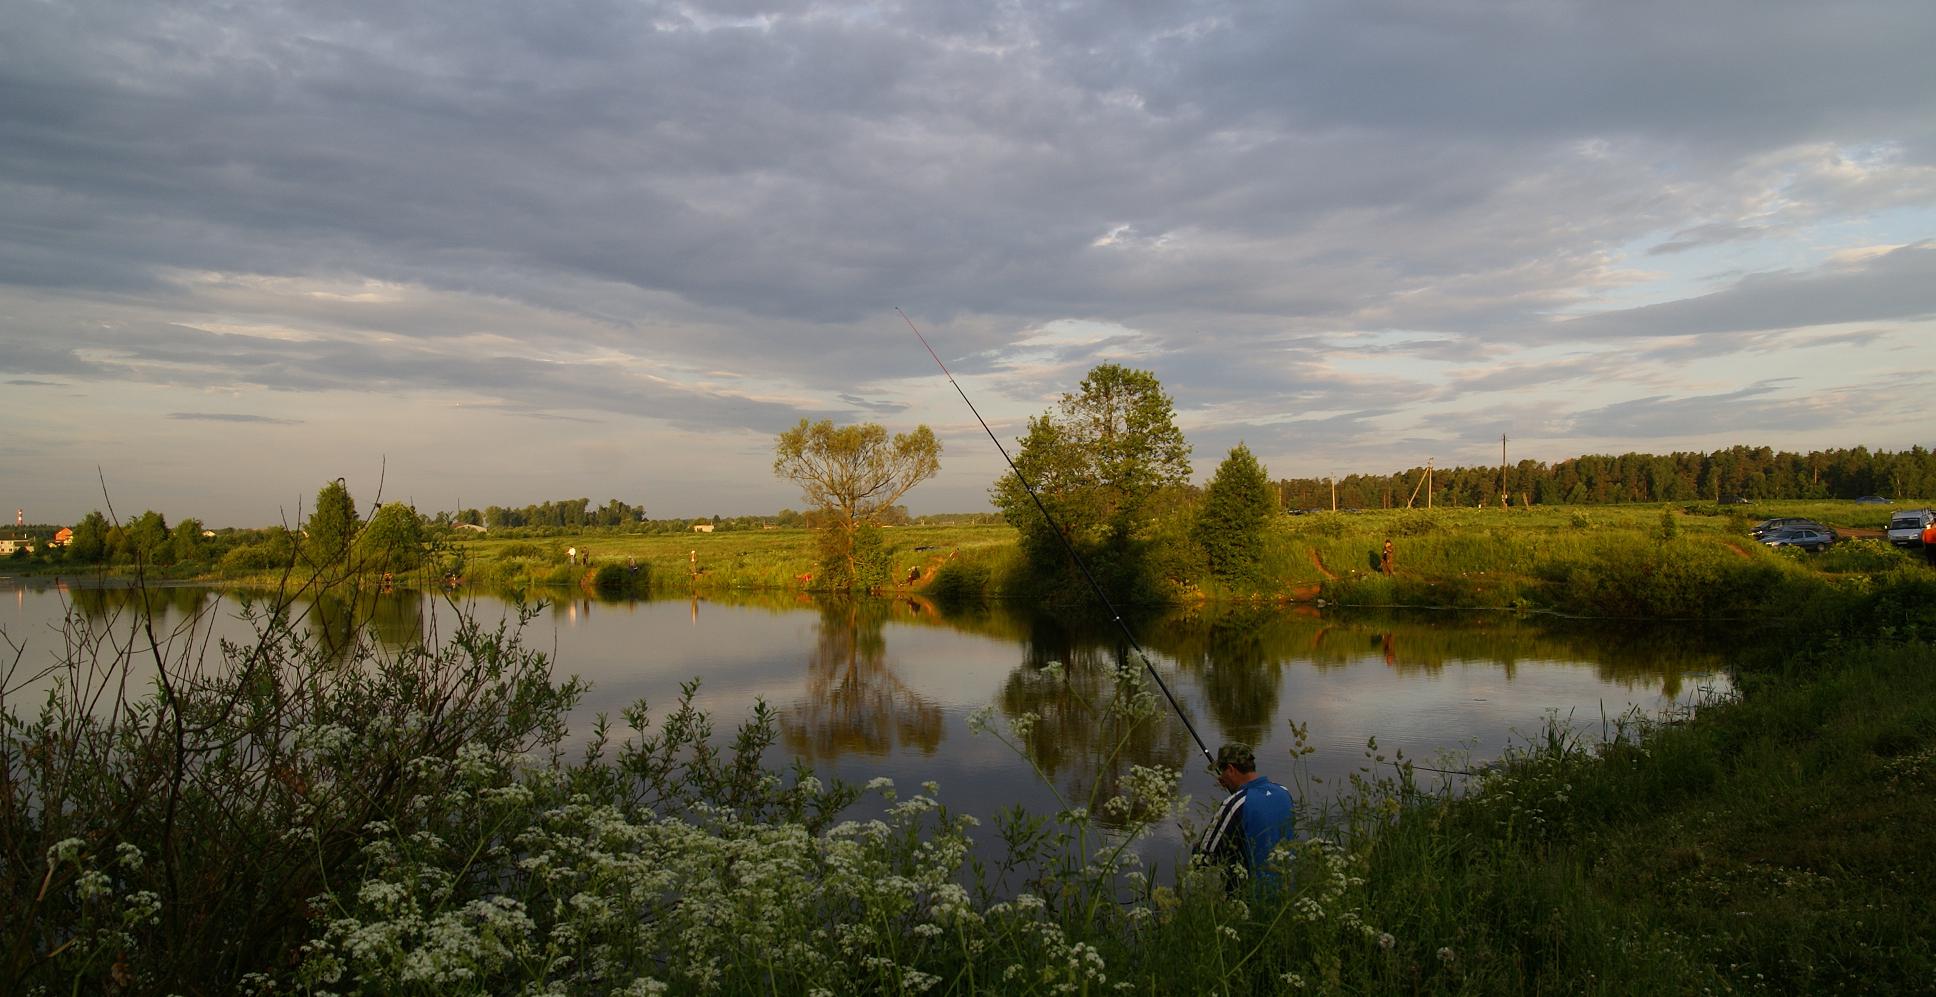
<point x="1267" y="814"/>
<point x="1252" y="820"/>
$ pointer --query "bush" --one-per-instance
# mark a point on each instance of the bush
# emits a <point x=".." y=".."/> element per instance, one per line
<point x="260" y="556"/>
<point x="612" y="581"/>
<point x="1864" y="556"/>
<point x="186" y="836"/>
<point x="957" y="585"/>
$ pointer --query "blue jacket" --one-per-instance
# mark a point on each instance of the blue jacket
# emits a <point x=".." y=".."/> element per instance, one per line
<point x="1249" y="824"/>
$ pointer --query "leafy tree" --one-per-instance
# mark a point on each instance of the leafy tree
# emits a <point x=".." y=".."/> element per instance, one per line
<point x="1099" y="461"/>
<point x="393" y="540"/>
<point x="851" y="476"/>
<point x="331" y="527"/>
<point x="89" y="545"/>
<point x="1236" y="506"/>
<point x="148" y="538"/>
<point x="186" y="542"/>
<point x="262" y="550"/>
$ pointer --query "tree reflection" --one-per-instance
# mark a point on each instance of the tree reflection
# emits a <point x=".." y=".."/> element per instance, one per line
<point x="1238" y="658"/>
<point x="855" y="704"/>
<point x="1080" y="737"/>
<point x="395" y="619"/>
<point x="100" y="604"/>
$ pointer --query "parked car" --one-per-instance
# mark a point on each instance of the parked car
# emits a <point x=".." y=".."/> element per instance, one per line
<point x="1906" y="526"/>
<point x="1768" y="526"/>
<point x="1872" y="500"/>
<point x="1811" y="540"/>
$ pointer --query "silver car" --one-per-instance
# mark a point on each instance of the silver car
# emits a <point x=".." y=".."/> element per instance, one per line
<point x="1807" y="538"/>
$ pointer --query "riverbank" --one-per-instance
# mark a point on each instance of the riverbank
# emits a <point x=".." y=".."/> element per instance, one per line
<point x="1651" y="561"/>
<point x="1592" y="561"/>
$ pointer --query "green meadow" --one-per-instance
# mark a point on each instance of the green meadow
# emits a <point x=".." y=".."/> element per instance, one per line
<point x="1661" y="561"/>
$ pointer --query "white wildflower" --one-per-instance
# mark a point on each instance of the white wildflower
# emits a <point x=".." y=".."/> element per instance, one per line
<point x="65" y="850"/>
<point x="92" y="883"/>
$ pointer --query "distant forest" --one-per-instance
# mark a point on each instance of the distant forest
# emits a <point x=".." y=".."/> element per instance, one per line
<point x="1594" y="479"/>
<point x="579" y="513"/>
<point x="564" y="512"/>
<point x="1737" y="472"/>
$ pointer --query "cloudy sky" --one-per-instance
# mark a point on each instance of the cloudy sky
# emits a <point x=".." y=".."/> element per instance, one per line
<point x="500" y="252"/>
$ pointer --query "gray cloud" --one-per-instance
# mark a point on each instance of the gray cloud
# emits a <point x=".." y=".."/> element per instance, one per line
<point x="232" y="417"/>
<point x="1900" y="284"/>
<point x="1755" y="411"/>
<point x="700" y="216"/>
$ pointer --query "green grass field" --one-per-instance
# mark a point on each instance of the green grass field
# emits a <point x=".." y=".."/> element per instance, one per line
<point x="741" y="560"/>
<point x="1588" y="560"/>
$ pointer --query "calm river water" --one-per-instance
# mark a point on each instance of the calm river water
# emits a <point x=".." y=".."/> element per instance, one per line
<point x="885" y="688"/>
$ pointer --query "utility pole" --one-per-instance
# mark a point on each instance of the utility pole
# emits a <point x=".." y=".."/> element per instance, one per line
<point x="1428" y="482"/>
<point x="1334" y="495"/>
<point x="1502" y="470"/>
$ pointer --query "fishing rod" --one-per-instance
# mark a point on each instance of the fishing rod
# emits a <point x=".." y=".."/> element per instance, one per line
<point x="1056" y="529"/>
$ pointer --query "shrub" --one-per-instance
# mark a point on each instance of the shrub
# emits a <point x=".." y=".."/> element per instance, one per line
<point x="958" y="584"/>
<point x="265" y="555"/>
<point x="612" y="581"/>
<point x="186" y="836"/>
<point x="1863" y="555"/>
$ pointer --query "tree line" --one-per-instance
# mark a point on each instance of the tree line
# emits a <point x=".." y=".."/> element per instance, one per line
<point x="394" y="537"/>
<point x="576" y="512"/>
<point x="1596" y="479"/>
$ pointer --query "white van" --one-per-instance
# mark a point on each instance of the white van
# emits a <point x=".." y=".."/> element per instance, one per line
<point x="1906" y="526"/>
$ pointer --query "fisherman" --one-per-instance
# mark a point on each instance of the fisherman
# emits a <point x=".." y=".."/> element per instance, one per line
<point x="1929" y="543"/>
<point x="1253" y="819"/>
<point x="1385" y="560"/>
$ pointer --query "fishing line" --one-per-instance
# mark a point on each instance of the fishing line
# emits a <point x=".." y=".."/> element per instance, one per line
<point x="1056" y="529"/>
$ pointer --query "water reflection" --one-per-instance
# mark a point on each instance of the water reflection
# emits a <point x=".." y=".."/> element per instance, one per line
<point x="854" y="702"/>
<point x="1081" y="738"/>
<point x="334" y="620"/>
<point x="102" y="604"/>
<point x="883" y="687"/>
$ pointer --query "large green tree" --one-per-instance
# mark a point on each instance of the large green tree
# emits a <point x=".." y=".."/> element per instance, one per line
<point x="1237" y="506"/>
<point x="1102" y="462"/>
<point x="331" y="527"/>
<point x="89" y="545"/>
<point x="148" y="538"/>
<point x="851" y="476"/>
<point x="393" y="540"/>
<point x="186" y="543"/>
